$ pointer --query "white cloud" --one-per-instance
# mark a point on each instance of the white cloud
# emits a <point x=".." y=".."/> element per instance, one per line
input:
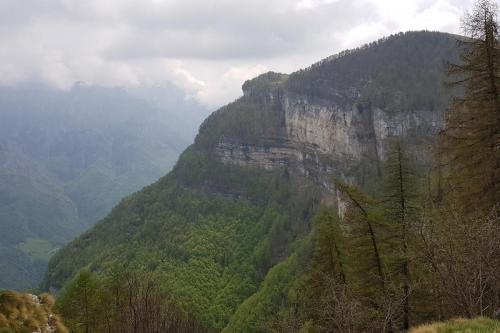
<point x="308" y="4"/>
<point x="228" y="86"/>
<point x="241" y="74"/>
<point x="206" y="48"/>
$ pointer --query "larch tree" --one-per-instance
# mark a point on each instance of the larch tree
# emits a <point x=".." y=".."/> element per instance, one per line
<point x="328" y="299"/>
<point x="363" y="222"/>
<point x="399" y="202"/>
<point x="471" y="139"/>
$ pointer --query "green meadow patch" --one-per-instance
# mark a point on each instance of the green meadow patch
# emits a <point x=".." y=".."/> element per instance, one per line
<point x="37" y="249"/>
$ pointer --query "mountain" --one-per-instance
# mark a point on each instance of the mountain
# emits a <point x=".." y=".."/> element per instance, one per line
<point x="67" y="157"/>
<point x="226" y="232"/>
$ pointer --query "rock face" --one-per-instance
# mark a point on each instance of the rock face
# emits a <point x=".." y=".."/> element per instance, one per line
<point x="340" y="115"/>
<point x="324" y="138"/>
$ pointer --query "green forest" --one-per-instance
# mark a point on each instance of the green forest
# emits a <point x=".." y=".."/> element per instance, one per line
<point x="403" y="244"/>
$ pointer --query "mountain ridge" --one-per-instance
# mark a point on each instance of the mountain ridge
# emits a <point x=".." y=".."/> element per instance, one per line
<point x="241" y="199"/>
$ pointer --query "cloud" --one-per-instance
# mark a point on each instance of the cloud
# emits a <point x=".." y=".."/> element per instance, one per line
<point x="227" y="87"/>
<point x="230" y="29"/>
<point x="206" y="48"/>
<point x="309" y="4"/>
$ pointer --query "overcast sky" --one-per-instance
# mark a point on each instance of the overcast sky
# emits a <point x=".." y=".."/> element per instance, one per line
<point x="208" y="48"/>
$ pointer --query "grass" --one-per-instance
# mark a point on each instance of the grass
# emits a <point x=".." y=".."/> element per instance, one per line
<point x="37" y="249"/>
<point x="477" y="325"/>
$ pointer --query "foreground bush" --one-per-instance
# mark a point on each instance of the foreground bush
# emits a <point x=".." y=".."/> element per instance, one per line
<point x="28" y="313"/>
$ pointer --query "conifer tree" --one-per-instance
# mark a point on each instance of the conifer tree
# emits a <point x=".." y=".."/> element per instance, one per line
<point x="330" y="302"/>
<point x="399" y="203"/>
<point x="366" y="238"/>
<point x="327" y="256"/>
<point x="79" y="303"/>
<point x="471" y="138"/>
<point x="364" y="223"/>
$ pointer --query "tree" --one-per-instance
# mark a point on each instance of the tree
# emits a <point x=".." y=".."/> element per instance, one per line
<point x="361" y="212"/>
<point x="366" y="235"/>
<point x="463" y="254"/>
<point x="330" y="302"/>
<point x="79" y="303"/>
<point x="122" y="302"/>
<point x="399" y="202"/>
<point x="327" y="256"/>
<point x="471" y="138"/>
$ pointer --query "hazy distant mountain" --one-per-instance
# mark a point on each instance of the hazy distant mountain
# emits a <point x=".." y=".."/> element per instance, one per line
<point x="66" y="158"/>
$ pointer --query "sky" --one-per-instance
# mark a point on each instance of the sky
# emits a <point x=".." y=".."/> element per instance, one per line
<point x="207" y="48"/>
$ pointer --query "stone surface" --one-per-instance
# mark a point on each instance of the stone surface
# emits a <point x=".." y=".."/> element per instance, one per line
<point x="322" y="138"/>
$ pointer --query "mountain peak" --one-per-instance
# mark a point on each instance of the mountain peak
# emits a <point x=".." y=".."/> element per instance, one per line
<point x="245" y="192"/>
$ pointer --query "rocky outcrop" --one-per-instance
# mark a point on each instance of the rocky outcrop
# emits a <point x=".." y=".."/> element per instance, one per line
<point x="340" y="115"/>
<point x="322" y="138"/>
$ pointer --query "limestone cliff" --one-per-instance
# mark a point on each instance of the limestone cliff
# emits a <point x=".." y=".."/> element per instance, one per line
<point x="322" y="138"/>
<point x="343" y="128"/>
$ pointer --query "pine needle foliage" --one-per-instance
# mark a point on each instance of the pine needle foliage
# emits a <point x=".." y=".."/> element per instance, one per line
<point x="400" y="207"/>
<point x="470" y="141"/>
<point x="363" y="218"/>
